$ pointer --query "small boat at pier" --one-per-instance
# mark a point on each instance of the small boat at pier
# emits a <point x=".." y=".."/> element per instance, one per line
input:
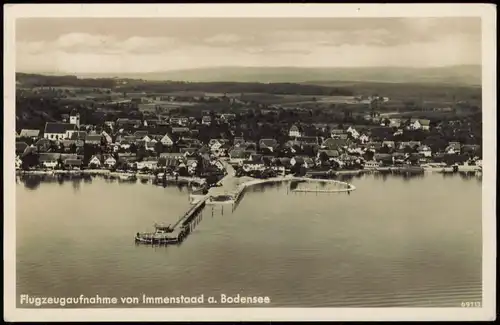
<point x="161" y="235"/>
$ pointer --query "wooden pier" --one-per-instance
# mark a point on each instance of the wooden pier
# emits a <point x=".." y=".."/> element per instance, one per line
<point x="232" y="188"/>
<point x="177" y="232"/>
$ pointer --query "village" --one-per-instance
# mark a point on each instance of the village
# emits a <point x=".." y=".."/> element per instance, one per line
<point x="261" y="145"/>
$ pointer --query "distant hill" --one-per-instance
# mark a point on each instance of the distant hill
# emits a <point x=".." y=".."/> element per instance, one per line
<point x="459" y="75"/>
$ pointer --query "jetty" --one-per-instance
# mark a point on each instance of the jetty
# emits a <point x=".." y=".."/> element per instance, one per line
<point x="231" y="190"/>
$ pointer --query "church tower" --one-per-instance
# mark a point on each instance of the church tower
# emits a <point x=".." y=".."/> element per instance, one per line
<point x="74" y="118"/>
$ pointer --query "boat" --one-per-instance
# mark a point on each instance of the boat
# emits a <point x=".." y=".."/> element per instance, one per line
<point x="161" y="235"/>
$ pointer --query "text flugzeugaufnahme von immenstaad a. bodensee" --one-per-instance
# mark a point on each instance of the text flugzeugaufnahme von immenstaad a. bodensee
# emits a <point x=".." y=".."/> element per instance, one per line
<point x="40" y="301"/>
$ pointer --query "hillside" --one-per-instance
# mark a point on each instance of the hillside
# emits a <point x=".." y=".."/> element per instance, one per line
<point x="459" y="75"/>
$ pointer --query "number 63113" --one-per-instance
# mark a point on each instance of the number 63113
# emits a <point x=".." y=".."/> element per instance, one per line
<point x="471" y="304"/>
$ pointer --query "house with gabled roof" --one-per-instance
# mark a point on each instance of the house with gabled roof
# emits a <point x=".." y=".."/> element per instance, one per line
<point x="93" y="139"/>
<point x="270" y="144"/>
<point x="58" y="131"/>
<point x="29" y="133"/>
<point x="95" y="161"/>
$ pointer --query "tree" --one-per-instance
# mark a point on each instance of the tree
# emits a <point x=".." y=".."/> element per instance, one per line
<point x="133" y="148"/>
<point x="158" y="148"/>
<point x="29" y="160"/>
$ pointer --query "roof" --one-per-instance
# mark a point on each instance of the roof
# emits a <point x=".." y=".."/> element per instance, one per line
<point x="93" y="138"/>
<point x="42" y="141"/>
<point x="180" y="129"/>
<point x="294" y="128"/>
<point x="51" y="127"/>
<point x="313" y="140"/>
<point x="29" y="133"/>
<point x="382" y="156"/>
<point x="140" y="134"/>
<point x="299" y="160"/>
<point x="239" y="154"/>
<point x="330" y="153"/>
<point x="75" y="162"/>
<point x="268" y="143"/>
<point x="171" y="154"/>
<point x="74" y="112"/>
<point x="334" y="143"/>
<point x="51" y="156"/>
<point x="21" y="146"/>
<point x="79" y="135"/>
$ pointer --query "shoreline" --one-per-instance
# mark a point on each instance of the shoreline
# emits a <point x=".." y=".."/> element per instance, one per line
<point x="103" y="172"/>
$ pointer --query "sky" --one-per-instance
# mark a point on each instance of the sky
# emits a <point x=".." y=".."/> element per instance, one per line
<point x="131" y="45"/>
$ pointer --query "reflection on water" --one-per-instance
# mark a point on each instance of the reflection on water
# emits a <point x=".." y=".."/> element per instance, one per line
<point x="395" y="241"/>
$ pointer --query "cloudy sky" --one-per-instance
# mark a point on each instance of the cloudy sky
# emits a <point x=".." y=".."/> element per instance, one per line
<point x="89" y="45"/>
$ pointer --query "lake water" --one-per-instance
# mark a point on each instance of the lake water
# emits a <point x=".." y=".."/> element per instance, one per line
<point x="393" y="242"/>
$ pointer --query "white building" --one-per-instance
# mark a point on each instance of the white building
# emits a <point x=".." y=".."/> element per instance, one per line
<point x="294" y="131"/>
<point x="74" y="118"/>
<point x="59" y="131"/>
<point x="353" y="132"/>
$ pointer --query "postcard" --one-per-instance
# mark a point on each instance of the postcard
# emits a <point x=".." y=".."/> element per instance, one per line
<point x="249" y="162"/>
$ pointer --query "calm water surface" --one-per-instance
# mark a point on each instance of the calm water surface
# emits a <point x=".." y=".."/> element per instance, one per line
<point x="392" y="242"/>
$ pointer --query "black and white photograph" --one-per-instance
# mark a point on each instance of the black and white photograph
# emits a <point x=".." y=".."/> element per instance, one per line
<point x="249" y="162"/>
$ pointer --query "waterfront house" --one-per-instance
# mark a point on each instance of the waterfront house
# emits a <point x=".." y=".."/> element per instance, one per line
<point x="95" y="162"/>
<point x="425" y="151"/>
<point x="110" y="162"/>
<point x="372" y="164"/>
<point x="150" y="164"/>
<point x="294" y="131"/>
<point x="49" y="160"/>
<point x="254" y="163"/>
<point x="471" y="149"/>
<point x="73" y="163"/>
<point x="238" y="155"/>
<point x="30" y="133"/>
<point x="453" y="148"/>
<point x="383" y="158"/>
<point x="59" y="131"/>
